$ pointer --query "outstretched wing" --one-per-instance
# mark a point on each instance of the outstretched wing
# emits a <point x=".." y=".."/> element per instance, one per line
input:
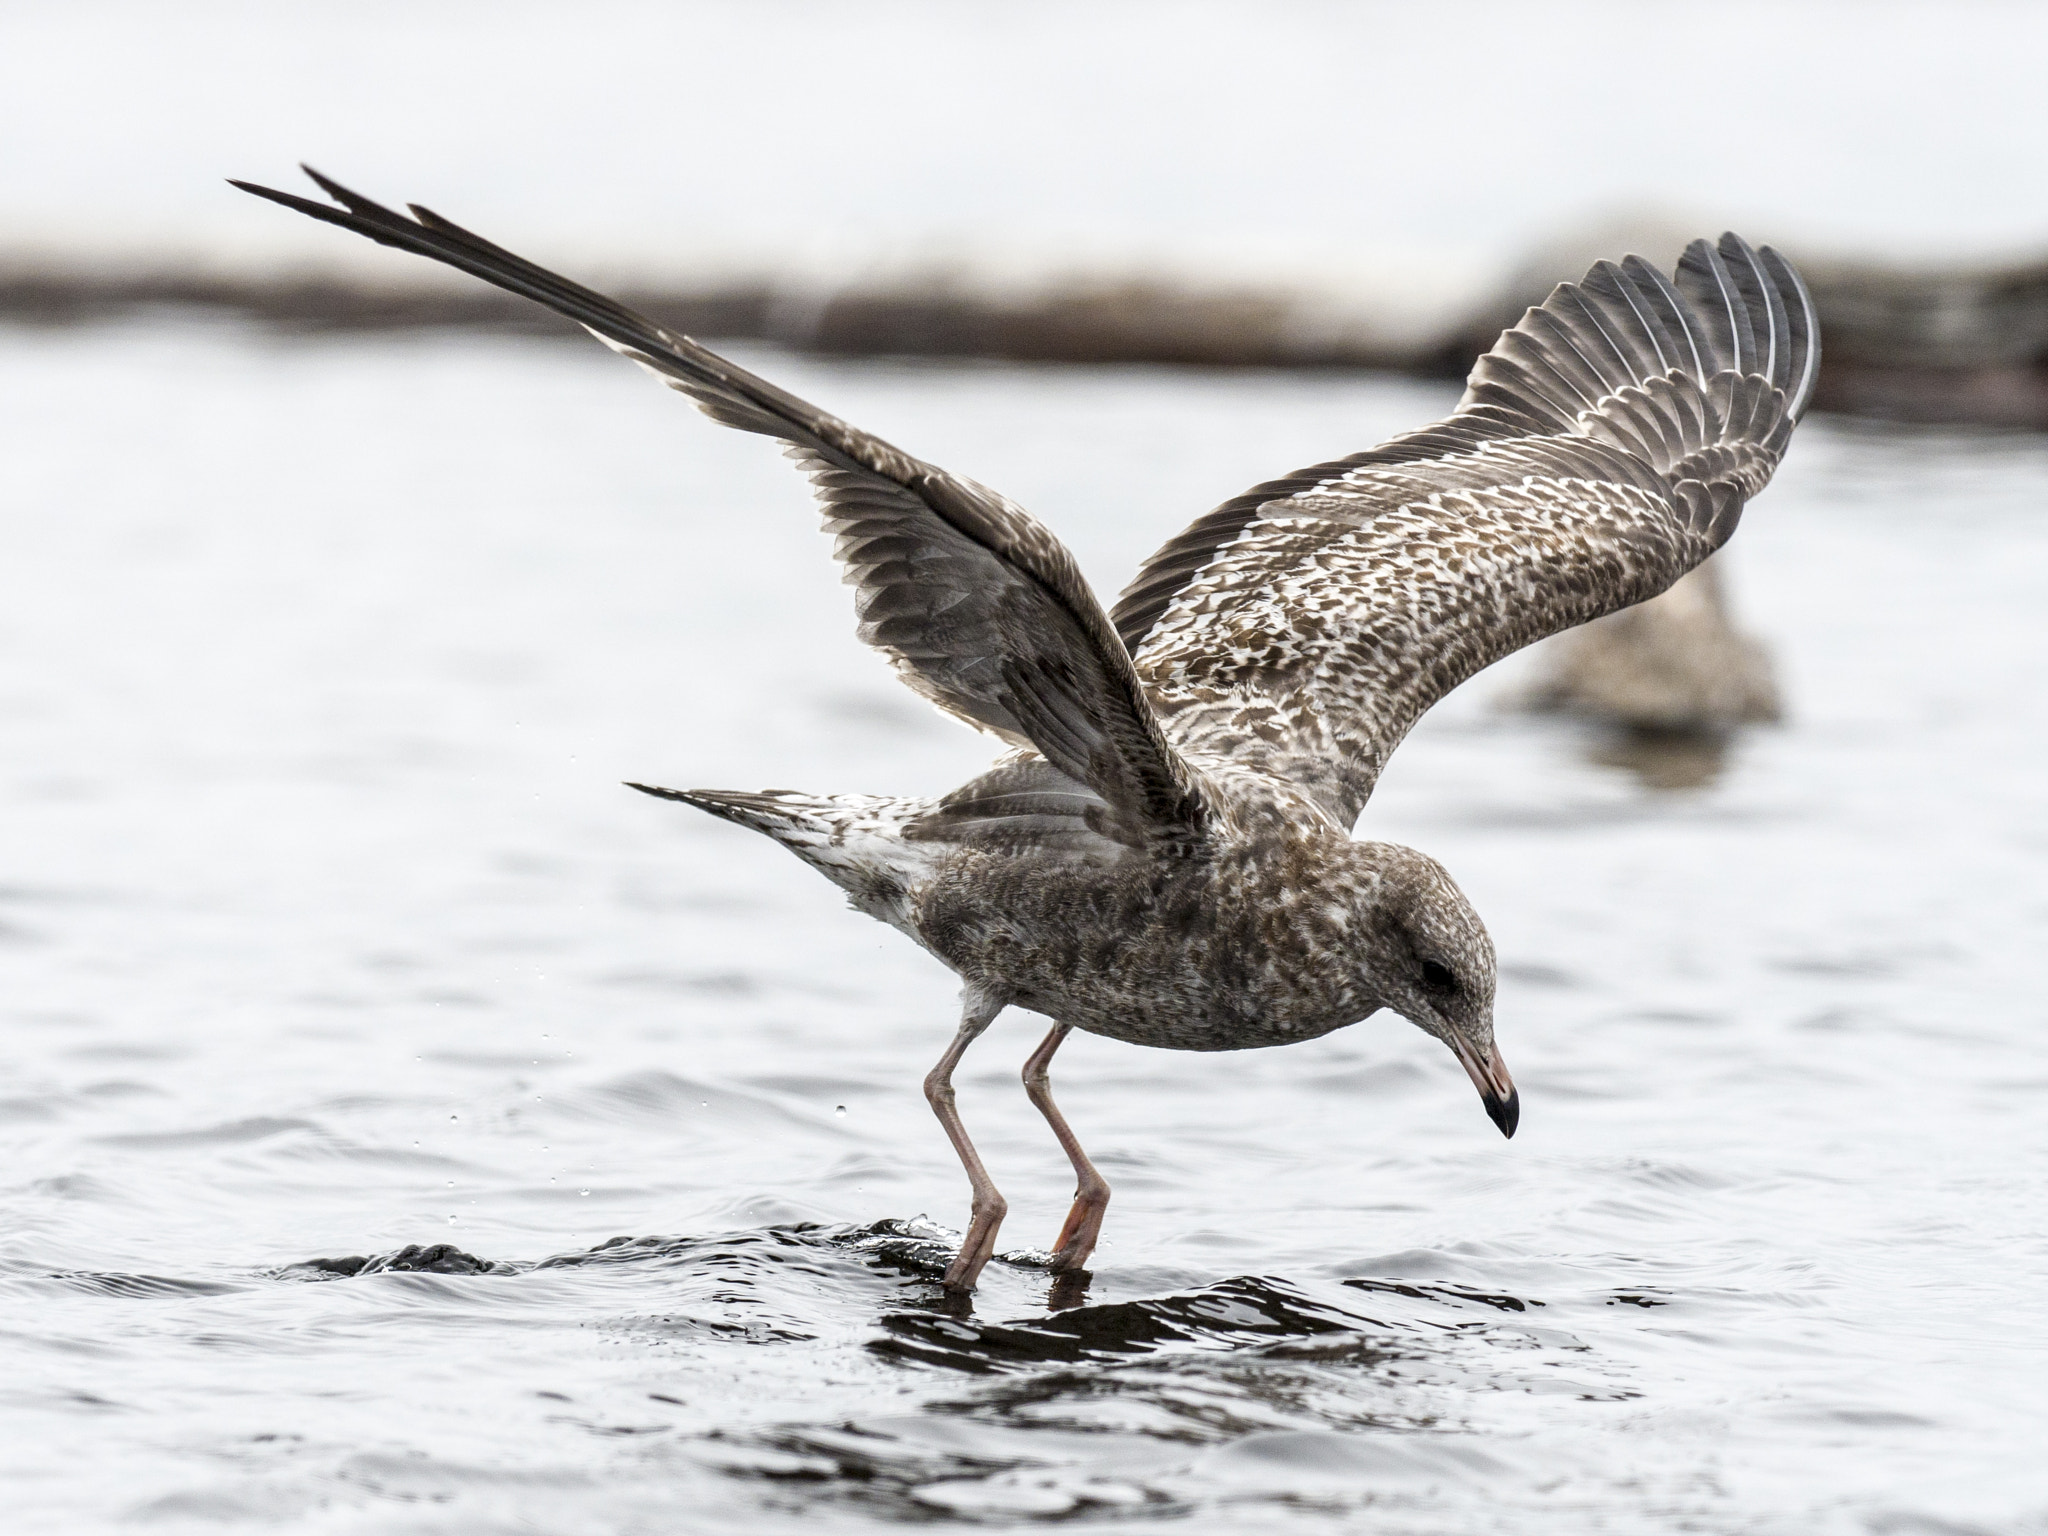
<point x="1603" y="448"/>
<point x="980" y="609"/>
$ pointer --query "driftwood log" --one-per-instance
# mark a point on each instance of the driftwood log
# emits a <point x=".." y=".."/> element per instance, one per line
<point x="1963" y="344"/>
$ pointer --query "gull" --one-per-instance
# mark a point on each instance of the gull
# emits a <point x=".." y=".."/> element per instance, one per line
<point x="1163" y="854"/>
<point x="1676" y="665"/>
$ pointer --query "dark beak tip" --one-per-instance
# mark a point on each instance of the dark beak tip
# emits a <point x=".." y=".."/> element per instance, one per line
<point x="1505" y="1113"/>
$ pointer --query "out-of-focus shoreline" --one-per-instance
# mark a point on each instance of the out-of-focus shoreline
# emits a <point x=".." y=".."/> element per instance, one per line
<point x="1963" y="345"/>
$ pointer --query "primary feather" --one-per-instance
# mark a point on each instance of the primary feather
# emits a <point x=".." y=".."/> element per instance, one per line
<point x="1603" y="448"/>
<point x="978" y="606"/>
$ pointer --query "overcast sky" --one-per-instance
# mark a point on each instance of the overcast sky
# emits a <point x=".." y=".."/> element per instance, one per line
<point x="1429" y="137"/>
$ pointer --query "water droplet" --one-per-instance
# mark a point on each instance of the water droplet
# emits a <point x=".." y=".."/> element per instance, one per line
<point x="582" y="1191"/>
<point x="839" y="1110"/>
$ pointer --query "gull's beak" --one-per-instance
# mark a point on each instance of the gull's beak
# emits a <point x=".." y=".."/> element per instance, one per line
<point x="1496" y="1089"/>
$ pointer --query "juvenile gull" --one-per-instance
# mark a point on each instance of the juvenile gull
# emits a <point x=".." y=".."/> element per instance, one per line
<point x="1164" y="855"/>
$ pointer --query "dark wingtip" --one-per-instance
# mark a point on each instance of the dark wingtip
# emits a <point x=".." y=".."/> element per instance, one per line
<point x="348" y="215"/>
<point x="1505" y="1113"/>
<point x="257" y="189"/>
<point x="658" y="792"/>
<point x="329" y="185"/>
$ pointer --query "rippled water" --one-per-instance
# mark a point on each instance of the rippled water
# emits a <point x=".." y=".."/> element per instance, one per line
<point x="408" y="1129"/>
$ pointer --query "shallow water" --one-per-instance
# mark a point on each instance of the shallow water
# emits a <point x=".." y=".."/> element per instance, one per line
<point x="327" y="933"/>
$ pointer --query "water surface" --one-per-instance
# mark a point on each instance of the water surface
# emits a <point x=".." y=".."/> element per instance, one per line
<point x="327" y="934"/>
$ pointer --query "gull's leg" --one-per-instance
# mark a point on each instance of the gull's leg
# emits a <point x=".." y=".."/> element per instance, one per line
<point x="989" y="1207"/>
<point x="1091" y="1191"/>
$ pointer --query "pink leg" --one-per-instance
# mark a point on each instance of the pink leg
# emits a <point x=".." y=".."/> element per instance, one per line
<point x="989" y="1206"/>
<point x="1091" y="1192"/>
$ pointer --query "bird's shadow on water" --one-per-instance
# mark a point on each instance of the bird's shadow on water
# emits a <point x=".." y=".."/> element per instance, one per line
<point x="1077" y="1405"/>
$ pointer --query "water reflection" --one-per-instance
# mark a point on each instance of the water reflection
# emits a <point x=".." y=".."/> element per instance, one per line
<point x="1663" y="760"/>
<point x="1068" y="1291"/>
<point x="1145" y="1404"/>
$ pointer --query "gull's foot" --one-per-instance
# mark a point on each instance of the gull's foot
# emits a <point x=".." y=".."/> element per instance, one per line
<point x="977" y="1247"/>
<point x="1072" y="1259"/>
<point x="1071" y="1249"/>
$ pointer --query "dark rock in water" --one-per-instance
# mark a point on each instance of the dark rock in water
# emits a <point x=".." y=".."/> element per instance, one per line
<point x="412" y="1259"/>
<point x="83" y="291"/>
<point x="1082" y="316"/>
<point x="1674" y="665"/>
<point x="433" y="1259"/>
<point x="1964" y="343"/>
<point x="912" y="1248"/>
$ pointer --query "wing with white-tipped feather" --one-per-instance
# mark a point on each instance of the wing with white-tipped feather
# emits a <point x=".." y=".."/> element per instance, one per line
<point x="1604" y="447"/>
<point x="980" y="609"/>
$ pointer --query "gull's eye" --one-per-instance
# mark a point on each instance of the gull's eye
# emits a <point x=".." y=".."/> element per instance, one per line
<point x="1438" y="978"/>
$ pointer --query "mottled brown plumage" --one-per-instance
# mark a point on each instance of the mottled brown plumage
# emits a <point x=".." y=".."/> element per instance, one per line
<point x="1164" y="856"/>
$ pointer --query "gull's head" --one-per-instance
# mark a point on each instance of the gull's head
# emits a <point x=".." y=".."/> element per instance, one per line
<point x="1430" y="960"/>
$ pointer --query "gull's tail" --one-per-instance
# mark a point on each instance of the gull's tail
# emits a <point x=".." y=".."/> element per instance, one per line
<point x="858" y="842"/>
